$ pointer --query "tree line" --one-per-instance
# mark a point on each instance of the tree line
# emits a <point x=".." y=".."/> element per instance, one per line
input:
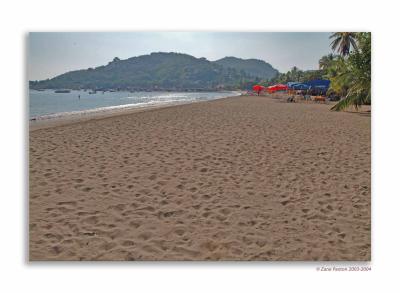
<point x="348" y="69"/>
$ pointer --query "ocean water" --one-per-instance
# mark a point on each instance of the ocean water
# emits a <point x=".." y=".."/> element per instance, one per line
<point x="48" y="104"/>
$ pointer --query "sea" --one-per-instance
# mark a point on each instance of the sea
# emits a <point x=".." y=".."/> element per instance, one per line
<point x="49" y="104"/>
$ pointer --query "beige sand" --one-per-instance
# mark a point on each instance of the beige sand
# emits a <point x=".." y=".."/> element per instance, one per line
<point x="243" y="178"/>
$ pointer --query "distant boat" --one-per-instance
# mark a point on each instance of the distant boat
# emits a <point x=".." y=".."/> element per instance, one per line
<point x="92" y="92"/>
<point x="62" y="91"/>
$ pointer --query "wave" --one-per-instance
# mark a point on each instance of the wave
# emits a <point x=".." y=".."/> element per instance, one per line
<point x="164" y="99"/>
<point x="107" y="109"/>
<point x="160" y="97"/>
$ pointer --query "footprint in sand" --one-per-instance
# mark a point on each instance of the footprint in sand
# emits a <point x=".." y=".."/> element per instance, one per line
<point x="67" y="203"/>
<point x="145" y="236"/>
<point x="92" y="220"/>
<point x="179" y="231"/>
<point x="225" y="211"/>
<point x="87" y="189"/>
<point x="56" y="250"/>
<point x="127" y="243"/>
<point x="108" y="246"/>
<point x="118" y="207"/>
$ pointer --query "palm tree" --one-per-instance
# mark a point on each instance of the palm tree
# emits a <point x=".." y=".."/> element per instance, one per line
<point x="343" y="41"/>
<point x="294" y="74"/>
<point x="354" y="74"/>
<point x="326" y="61"/>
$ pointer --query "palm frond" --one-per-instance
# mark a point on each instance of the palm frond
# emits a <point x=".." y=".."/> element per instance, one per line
<point x="335" y="43"/>
<point x="343" y="104"/>
<point x="354" y="44"/>
<point x="334" y="35"/>
<point x="357" y="96"/>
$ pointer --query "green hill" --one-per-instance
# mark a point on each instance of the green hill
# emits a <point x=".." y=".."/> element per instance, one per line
<point x="157" y="71"/>
<point x="252" y="67"/>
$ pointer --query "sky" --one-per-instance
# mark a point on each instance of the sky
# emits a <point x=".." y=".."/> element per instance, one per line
<point x="51" y="54"/>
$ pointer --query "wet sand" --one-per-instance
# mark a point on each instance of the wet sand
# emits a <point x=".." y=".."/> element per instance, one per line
<point x="242" y="178"/>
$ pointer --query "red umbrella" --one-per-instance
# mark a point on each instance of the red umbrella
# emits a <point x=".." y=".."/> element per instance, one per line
<point x="258" y="88"/>
<point x="277" y="87"/>
<point x="281" y="87"/>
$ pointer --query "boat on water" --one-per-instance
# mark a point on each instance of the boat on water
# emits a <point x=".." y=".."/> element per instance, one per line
<point x="62" y="91"/>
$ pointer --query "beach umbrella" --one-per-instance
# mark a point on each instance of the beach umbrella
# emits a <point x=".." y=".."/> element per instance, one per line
<point x="281" y="87"/>
<point x="318" y="83"/>
<point x="300" y="86"/>
<point x="277" y="87"/>
<point x="292" y="84"/>
<point x="258" y="88"/>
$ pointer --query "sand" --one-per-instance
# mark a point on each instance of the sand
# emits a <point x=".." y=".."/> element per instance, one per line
<point x="242" y="178"/>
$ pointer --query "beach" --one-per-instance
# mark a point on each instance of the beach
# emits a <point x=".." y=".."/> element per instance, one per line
<point x="240" y="178"/>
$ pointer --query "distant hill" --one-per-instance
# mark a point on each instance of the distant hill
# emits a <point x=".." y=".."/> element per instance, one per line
<point x="157" y="71"/>
<point x="252" y="67"/>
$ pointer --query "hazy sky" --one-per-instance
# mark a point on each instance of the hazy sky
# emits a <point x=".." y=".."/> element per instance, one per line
<point x="51" y="54"/>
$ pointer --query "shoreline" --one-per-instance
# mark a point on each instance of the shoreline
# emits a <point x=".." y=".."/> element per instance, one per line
<point x="94" y="114"/>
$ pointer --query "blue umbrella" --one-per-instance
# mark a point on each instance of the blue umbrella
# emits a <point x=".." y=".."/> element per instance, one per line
<point x="300" y="86"/>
